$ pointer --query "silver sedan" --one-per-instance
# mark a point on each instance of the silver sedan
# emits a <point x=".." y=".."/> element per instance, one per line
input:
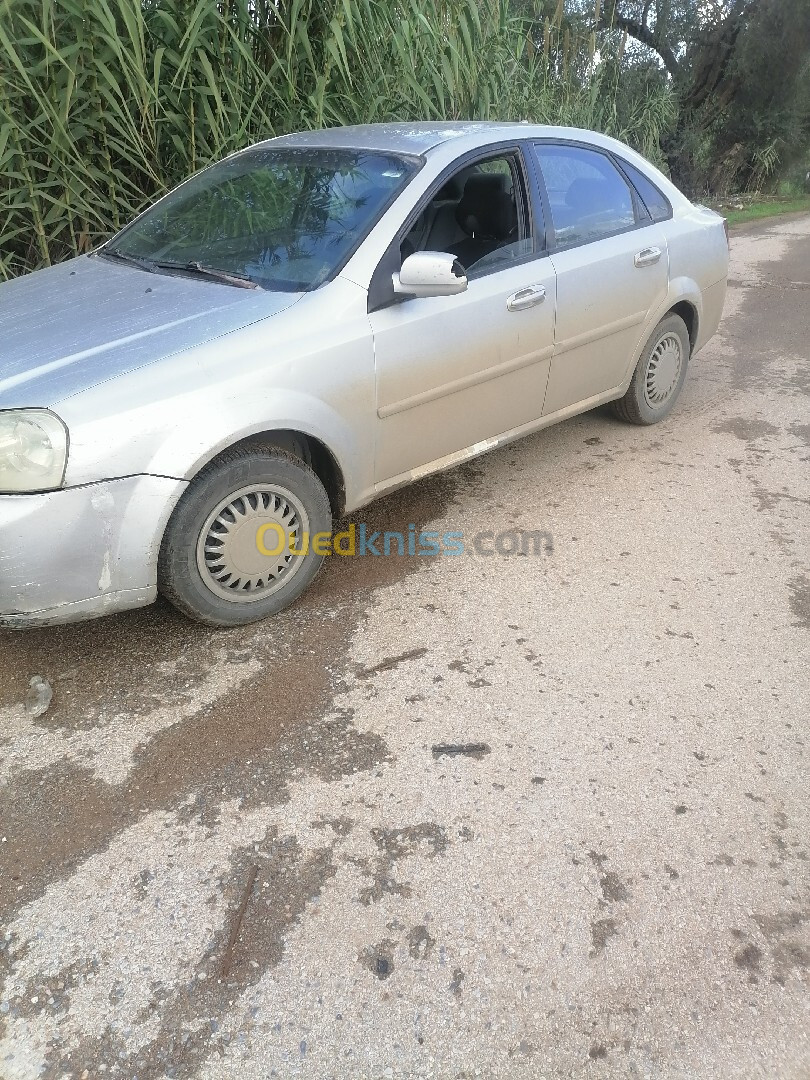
<point x="312" y="322"/>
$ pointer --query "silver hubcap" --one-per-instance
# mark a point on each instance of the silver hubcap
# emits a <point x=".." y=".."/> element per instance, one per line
<point x="663" y="370"/>
<point x="246" y="547"/>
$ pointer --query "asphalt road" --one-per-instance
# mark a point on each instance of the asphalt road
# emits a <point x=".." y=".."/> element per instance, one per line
<point x="241" y="854"/>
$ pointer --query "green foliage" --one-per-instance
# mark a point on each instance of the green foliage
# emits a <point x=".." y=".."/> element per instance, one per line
<point x="766" y="124"/>
<point x="106" y="104"/>
<point x="740" y="70"/>
<point x="737" y="213"/>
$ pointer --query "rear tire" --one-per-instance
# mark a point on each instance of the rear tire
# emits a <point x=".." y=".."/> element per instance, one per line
<point x="659" y="376"/>
<point x="218" y="562"/>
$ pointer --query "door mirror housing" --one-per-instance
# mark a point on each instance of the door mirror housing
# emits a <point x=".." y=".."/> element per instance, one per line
<point x="430" y="273"/>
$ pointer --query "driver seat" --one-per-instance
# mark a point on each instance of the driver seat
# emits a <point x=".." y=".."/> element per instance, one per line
<point x="486" y="213"/>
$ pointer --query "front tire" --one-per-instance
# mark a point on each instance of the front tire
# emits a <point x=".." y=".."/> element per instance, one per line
<point x="233" y="551"/>
<point x="659" y="376"/>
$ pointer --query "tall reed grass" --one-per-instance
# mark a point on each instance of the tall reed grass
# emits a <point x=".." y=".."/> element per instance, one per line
<point x="105" y="104"/>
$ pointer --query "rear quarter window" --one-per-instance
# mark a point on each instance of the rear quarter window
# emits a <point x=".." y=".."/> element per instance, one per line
<point x="657" y="203"/>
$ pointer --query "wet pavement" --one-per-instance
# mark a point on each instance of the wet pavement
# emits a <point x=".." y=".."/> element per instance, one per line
<point x="537" y="815"/>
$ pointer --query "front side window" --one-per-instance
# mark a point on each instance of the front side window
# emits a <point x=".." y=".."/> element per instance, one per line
<point x="285" y="218"/>
<point x="479" y="215"/>
<point x="589" y="198"/>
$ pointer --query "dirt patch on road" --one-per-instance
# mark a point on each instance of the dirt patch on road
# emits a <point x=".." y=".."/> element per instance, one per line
<point x="244" y="744"/>
<point x="800" y="601"/>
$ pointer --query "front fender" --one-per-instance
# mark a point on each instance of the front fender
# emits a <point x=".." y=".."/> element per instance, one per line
<point x="221" y="426"/>
<point x="309" y="369"/>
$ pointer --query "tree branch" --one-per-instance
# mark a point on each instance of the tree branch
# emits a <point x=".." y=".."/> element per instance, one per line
<point x="644" y="35"/>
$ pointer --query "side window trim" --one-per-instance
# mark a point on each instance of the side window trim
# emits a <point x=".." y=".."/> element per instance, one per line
<point x="540" y="195"/>
<point x="640" y="212"/>
<point x="381" y="293"/>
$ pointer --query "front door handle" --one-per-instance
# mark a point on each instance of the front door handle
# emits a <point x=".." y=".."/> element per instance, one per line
<point x="647" y="256"/>
<point x="526" y="298"/>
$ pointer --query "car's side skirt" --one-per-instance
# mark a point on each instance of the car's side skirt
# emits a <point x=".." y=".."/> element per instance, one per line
<point x="478" y="448"/>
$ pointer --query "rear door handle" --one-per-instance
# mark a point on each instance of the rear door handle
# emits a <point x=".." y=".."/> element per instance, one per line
<point x="647" y="256"/>
<point x="526" y="298"/>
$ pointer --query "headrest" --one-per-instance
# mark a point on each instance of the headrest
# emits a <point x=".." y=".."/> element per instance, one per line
<point x="589" y="195"/>
<point x="451" y="190"/>
<point x="485" y="208"/>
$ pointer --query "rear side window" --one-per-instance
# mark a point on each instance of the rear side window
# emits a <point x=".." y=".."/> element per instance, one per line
<point x="589" y="198"/>
<point x="657" y="203"/>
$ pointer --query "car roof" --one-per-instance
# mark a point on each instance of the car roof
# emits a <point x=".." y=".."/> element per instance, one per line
<point x="416" y="138"/>
<point x="423" y="138"/>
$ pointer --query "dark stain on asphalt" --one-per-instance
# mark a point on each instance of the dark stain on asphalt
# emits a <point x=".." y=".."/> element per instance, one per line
<point x="800" y="601"/>
<point x="746" y="428"/>
<point x="287" y="882"/>
<point x="524" y="1049"/>
<point x="602" y="930"/>
<point x="426" y="840"/>
<point x="246" y="744"/>
<point x="788" y="952"/>
<point x="382" y="884"/>
<point x="420" y="943"/>
<point x="192" y="1012"/>
<point x="722" y="860"/>
<point x="459" y="665"/>
<point x="612" y="886"/>
<point x="379" y="959"/>
<point x="772" y="315"/>
<point x="772" y="500"/>
<point x="456" y="981"/>
<point x="250" y="760"/>
<point x="749" y="957"/>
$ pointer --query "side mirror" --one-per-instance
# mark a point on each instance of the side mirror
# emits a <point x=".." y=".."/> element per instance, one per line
<point x="430" y="273"/>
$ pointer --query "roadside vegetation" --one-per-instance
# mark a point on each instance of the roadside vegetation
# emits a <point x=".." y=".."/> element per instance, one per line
<point x="105" y="104"/>
<point x="740" y="211"/>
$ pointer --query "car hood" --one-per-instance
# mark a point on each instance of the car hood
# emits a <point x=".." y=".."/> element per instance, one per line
<point x="87" y="320"/>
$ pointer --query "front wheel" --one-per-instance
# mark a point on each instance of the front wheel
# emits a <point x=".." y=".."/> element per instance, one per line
<point x="659" y="376"/>
<point x="238" y="546"/>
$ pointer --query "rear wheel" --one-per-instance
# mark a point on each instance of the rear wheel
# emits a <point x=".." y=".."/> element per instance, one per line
<point x="238" y="545"/>
<point x="659" y="375"/>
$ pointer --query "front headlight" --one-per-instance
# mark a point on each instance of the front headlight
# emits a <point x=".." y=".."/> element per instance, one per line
<point x="33" y="451"/>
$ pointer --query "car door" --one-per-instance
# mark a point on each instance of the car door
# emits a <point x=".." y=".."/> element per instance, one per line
<point x="612" y="270"/>
<point x="453" y="372"/>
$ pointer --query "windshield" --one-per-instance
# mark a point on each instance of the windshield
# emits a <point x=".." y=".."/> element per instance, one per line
<point x="284" y="218"/>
